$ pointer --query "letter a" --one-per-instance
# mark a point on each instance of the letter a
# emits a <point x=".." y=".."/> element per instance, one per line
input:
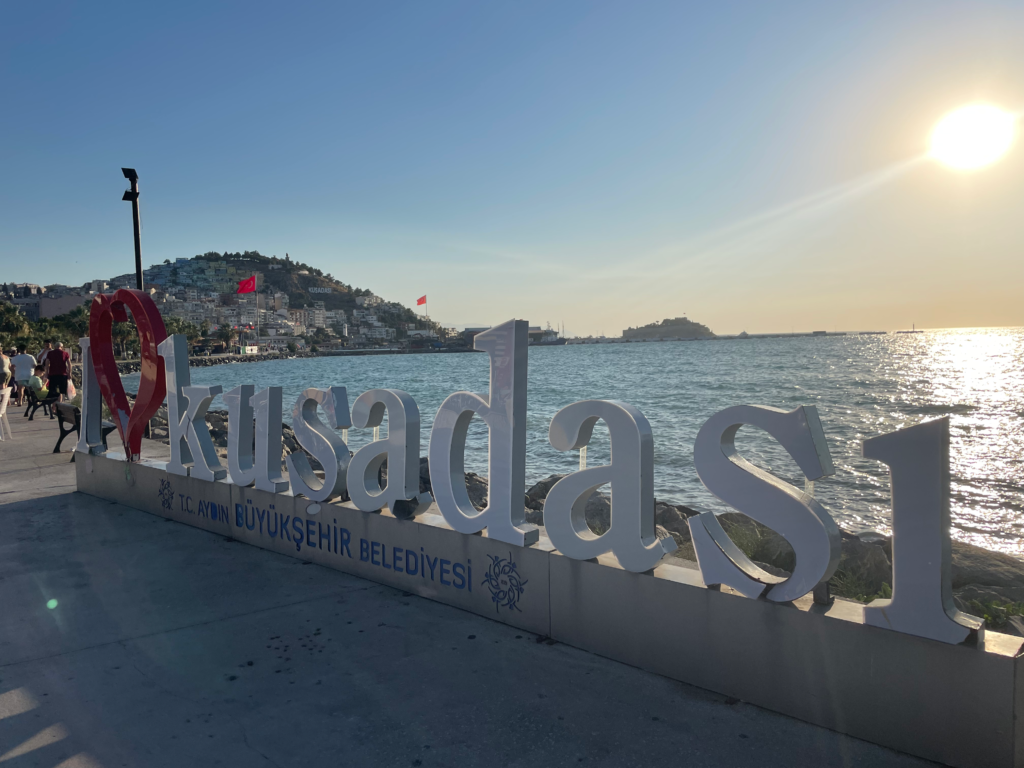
<point x="400" y="449"/>
<point x="631" y="535"/>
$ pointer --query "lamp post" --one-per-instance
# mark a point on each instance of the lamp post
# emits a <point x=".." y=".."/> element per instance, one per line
<point x="133" y="195"/>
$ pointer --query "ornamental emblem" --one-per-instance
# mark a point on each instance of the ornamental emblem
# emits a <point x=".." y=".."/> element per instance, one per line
<point x="166" y="494"/>
<point x="504" y="583"/>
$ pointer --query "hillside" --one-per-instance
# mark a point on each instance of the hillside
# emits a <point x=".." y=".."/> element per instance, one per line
<point x="296" y="280"/>
<point x="302" y="284"/>
<point x="674" y="328"/>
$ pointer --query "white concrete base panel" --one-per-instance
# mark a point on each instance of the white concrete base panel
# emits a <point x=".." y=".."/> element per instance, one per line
<point x="955" y="704"/>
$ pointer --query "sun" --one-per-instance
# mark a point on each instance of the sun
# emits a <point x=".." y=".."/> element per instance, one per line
<point x="973" y="136"/>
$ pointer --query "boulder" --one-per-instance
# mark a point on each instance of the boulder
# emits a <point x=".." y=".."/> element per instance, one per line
<point x="477" y="488"/>
<point x="774" y="550"/>
<point x="974" y="565"/>
<point x="985" y="595"/>
<point x="663" y="533"/>
<point x="673" y="518"/>
<point x="424" y="475"/>
<point x="598" y="512"/>
<point x="768" y="567"/>
<point x="539" y="492"/>
<point x="867" y="562"/>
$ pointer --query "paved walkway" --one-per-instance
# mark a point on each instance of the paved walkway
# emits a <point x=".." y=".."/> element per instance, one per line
<point x="129" y="640"/>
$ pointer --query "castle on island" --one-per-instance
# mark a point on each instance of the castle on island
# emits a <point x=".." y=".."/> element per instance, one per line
<point x="675" y="328"/>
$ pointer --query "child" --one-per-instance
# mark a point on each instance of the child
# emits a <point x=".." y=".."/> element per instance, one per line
<point x="37" y="385"/>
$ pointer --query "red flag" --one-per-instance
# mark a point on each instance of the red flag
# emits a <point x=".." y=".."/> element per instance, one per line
<point x="247" y="286"/>
<point x="421" y="301"/>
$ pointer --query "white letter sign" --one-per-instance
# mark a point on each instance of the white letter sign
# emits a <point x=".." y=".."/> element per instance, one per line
<point x="401" y="450"/>
<point x="269" y="440"/>
<point x="186" y="407"/>
<point x="504" y="412"/>
<point x="241" y="468"/>
<point x="324" y="443"/>
<point x="922" y="594"/>
<point x="795" y="515"/>
<point x="90" y="435"/>
<point x="631" y="535"/>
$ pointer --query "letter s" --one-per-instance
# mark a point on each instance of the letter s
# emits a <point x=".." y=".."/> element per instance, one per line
<point x="323" y="442"/>
<point x="795" y="515"/>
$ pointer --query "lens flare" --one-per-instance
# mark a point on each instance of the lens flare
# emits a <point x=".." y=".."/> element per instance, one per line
<point x="973" y="136"/>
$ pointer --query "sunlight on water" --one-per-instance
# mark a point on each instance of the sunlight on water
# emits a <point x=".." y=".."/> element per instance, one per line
<point x="862" y="385"/>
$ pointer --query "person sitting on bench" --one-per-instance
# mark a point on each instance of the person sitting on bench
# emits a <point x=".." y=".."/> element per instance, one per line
<point x="37" y="385"/>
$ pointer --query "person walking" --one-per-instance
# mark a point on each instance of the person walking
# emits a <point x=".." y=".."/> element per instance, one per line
<point x="24" y="365"/>
<point x="6" y="374"/>
<point x="5" y="393"/>
<point x="47" y="348"/>
<point x="58" y="369"/>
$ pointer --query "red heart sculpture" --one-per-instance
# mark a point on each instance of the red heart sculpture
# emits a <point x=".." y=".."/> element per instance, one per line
<point x="106" y="308"/>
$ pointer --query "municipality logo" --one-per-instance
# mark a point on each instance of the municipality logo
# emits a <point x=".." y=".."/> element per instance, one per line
<point x="166" y="494"/>
<point x="504" y="583"/>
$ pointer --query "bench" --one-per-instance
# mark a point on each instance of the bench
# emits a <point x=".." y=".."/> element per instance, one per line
<point x="34" y="404"/>
<point x="72" y="415"/>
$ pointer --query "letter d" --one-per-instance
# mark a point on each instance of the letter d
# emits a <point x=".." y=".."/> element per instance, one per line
<point x="504" y="412"/>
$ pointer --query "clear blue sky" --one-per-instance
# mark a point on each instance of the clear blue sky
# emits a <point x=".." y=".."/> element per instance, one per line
<point x="584" y="162"/>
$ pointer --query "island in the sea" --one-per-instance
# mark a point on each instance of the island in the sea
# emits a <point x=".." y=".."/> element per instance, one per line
<point x="674" y="328"/>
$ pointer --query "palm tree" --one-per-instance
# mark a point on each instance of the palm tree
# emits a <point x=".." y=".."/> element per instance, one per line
<point x="12" y="321"/>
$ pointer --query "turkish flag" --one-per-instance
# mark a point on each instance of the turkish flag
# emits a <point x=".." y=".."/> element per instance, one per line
<point x="421" y="301"/>
<point x="247" y="286"/>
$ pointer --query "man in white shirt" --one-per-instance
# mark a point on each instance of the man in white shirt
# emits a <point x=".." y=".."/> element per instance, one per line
<point x="24" y="364"/>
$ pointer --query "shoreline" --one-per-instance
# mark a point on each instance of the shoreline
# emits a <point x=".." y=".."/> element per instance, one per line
<point x="201" y="361"/>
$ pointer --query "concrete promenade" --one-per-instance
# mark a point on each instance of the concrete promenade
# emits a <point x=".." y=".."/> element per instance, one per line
<point x="130" y="640"/>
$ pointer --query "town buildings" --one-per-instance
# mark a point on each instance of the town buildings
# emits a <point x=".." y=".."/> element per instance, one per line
<point x="203" y="291"/>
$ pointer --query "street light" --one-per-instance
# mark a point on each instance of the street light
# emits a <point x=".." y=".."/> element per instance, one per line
<point x="133" y="195"/>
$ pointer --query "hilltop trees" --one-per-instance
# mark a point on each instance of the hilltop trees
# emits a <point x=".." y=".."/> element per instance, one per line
<point x="16" y="329"/>
<point x="69" y="328"/>
<point x="12" y="324"/>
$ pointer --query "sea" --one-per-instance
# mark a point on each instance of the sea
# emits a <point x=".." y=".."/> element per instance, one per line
<point x="861" y="385"/>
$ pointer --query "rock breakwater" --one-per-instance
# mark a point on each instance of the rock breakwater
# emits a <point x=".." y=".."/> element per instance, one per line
<point x="985" y="583"/>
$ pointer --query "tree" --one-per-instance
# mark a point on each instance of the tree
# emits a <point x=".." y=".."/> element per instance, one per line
<point x="190" y="331"/>
<point x="12" y="322"/>
<point x="292" y="348"/>
<point x="227" y="334"/>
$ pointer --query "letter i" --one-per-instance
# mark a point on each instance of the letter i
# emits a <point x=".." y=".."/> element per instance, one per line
<point x="470" y="576"/>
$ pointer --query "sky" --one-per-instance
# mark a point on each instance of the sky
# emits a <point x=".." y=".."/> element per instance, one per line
<point x="755" y="166"/>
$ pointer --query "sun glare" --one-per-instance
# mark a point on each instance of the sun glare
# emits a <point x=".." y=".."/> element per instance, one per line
<point x="973" y="136"/>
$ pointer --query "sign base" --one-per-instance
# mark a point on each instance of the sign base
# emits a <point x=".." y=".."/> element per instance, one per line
<point x="956" y="704"/>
